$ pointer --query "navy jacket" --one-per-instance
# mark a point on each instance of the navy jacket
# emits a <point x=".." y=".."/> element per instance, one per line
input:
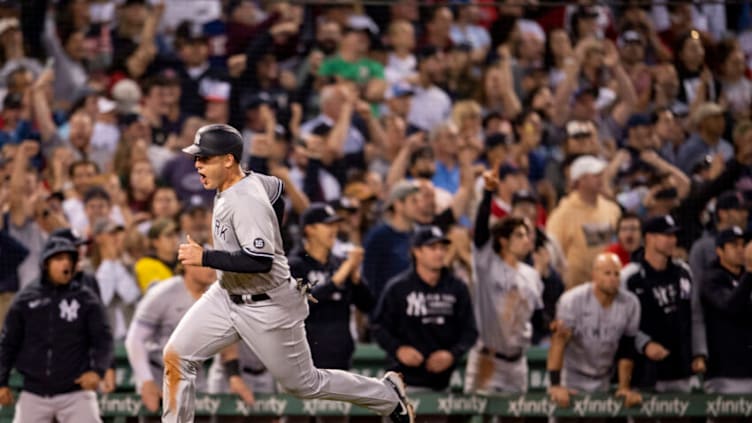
<point x="328" y="322"/>
<point x="12" y="254"/>
<point x="427" y="318"/>
<point x="728" y="322"/>
<point x="52" y="335"/>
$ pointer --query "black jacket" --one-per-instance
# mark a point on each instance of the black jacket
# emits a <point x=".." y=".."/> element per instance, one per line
<point x="52" y="335"/>
<point x="411" y="312"/>
<point x="328" y="322"/>
<point x="728" y="322"/>
<point x="13" y="253"/>
<point x="666" y="318"/>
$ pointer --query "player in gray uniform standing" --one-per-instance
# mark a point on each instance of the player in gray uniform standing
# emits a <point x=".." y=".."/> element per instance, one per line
<point x="596" y="324"/>
<point x="506" y="292"/>
<point x="256" y="300"/>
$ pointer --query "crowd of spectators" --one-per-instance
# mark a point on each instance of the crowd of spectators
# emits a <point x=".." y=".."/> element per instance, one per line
<point x="450" y="170"/>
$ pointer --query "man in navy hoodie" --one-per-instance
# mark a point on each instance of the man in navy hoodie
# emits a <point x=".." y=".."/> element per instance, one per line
<point x="56" y="335"/>
<point x="424" y="320"/>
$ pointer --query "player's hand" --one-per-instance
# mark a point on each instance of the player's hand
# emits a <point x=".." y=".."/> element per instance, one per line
<point x="355" y="257"/>
<point x="88" y="381"/>
<point x="6" y="396"/>
<point x="108" y="383"/>
<point x="698" y="365"/>
<point x="151" y="395"/>
<point x="239" y="388"/>
<point x="655" y="351"/>
<point x="631" y="397"/>
<point x="190" y="254"/>
<point x="439" y="361"/>
<point x="560" y="395"/>
<point x="409" y="356"/>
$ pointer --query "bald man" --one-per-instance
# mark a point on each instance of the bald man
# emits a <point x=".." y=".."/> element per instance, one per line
<point x="595" y="327"/>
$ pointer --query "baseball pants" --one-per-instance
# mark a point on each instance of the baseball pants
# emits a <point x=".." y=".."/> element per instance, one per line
<point x="274" y="330"/>
<point x="73" y="407"/>
<point x="486" y="374"/>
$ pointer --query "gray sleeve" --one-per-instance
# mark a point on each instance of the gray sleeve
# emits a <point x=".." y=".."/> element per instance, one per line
<point x="699" y="337"/>
<point x="255" y="225"/>
<point x="150" y="308"/>
<point x="566" y="310"/>
<point x="641" y="340"/>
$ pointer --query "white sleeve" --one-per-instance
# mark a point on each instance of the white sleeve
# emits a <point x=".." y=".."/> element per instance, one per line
<point x="138" y="356"/>
<point x="126" y="286"/>
<point x="106" y="279"/>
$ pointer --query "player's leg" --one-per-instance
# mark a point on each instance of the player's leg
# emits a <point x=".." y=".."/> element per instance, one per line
<point x="274" y="330"/>
<point x="203" y="331"/>
<point x="80" y="406"/>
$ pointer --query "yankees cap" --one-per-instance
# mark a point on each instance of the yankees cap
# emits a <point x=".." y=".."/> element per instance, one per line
<point x="428" y="235"/>
<point x="660" y="225"/>
<point x="319" y="213"/>
<point x="729" y="235"/>
<point x="216" y="140"/>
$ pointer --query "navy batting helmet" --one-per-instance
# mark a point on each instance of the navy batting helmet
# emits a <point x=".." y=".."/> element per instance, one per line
<point x="216" y="140"/>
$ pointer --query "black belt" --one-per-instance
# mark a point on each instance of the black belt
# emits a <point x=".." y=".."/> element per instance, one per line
<point x="255" y="372"/>
<point x="247" y="299"/>
<point x="499" y="355"/>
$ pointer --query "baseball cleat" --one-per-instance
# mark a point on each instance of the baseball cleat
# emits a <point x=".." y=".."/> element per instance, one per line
<point x="404" y="413"/>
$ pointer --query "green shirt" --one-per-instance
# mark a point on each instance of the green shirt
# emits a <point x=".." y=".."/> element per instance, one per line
<point x="360" y="71"/>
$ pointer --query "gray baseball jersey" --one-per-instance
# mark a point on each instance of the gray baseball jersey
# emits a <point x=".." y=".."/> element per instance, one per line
<point x="596" y="330"/>
<point x="504" y="301"/>
<point x="161" y="309"/>
<point x="244" y="219"/>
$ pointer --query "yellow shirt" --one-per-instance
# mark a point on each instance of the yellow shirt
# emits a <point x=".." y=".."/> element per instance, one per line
<point x="583" y="231"/>
<point x="149" y="270"/>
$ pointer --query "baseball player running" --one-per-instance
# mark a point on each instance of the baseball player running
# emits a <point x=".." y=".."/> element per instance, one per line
<point x="256" y="299"/>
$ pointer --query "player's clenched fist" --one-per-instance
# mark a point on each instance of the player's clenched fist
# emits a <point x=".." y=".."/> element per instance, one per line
<point x="190" y="254"/>
<point x="559" y="395"/>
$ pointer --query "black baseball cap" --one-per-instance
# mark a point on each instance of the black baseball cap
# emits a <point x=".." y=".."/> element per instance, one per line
<point x="427" y="235"/>
<point x="344" y="203"/>
<point x="71" y="235"/>
<point x="730" y="200"/>
<point x="729" y="235"/>
<point x="319" y="213"/>
<point x="661" y="225"/>
<point x="216" y="140"/>
<point x="12" y="101"/>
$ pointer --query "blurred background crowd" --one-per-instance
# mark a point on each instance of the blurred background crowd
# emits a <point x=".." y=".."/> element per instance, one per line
<point x="379" y="118"/>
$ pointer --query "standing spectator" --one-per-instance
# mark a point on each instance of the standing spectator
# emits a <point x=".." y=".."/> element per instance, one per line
<point x="730" y="211"/>
<point x="584" y="221"/>
<point x="670" y="321"/>
<point x="56" y="317"/>
<point x="387" y="245"/>
<point x="466" y="30"/>
<point x="13" y="253"/>
<point x="160" y="263"/>
<point x="424" y="320"/>
<point x="337" y="284"/>
<point x="351" y="61"/>
<point x="709" y="124"/>
<point x="118" y="288"/>
<point x="596" y="326"/>
<point x="401" y="65"/>
<point x="430" y="104"/>
<point x="506" y="292"/>
<point x="727" y="306"/>
<point x="628" y="237"/>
